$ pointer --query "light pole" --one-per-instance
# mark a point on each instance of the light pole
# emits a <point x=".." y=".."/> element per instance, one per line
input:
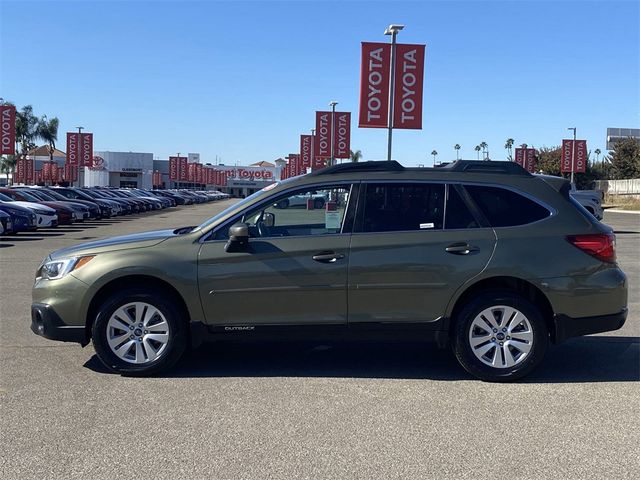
<point x="313" y="142"/>
<point x="392" y="30"/>
<point x="332" y="104"/>
<point x="80" y="150"/>
<point x="573" y="152"/>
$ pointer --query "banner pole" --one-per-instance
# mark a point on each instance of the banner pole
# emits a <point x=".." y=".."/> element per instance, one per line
<point x="392" y="87"/>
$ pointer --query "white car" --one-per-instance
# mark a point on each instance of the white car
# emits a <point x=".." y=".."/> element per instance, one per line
<point x="47" y="217"/>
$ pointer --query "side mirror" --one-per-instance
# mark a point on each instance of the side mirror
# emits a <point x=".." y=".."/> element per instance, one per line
<point x="269" y="219"/>
<point x="238" y="238"/>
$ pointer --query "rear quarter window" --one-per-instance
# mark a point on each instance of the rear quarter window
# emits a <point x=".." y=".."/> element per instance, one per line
<point x="506" y="208"/>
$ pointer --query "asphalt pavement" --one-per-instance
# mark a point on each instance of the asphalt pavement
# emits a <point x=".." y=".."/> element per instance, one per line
<point x="283" y="411"/>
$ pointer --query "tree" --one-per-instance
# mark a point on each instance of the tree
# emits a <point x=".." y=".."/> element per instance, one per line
<point x="508" y="145"/>
<point x="548" y="162"/>
<point x="26" y="129"/>
<point x="625" y="159"/>
<point x="355" y="156"/>
<point x="457" y="149"/>
<point x="484" y="146"/>
<point x="477" y="149"/>
<point x="434" y="153"/>
<point x="598" y="152"/>
<point x="48" y="131"/>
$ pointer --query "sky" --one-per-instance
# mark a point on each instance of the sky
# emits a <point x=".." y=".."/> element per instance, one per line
<point x="240" y="81"/>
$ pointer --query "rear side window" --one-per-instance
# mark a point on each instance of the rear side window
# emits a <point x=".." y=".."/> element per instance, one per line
<point x="394" y="207"/>
<point x="505" y="208"/>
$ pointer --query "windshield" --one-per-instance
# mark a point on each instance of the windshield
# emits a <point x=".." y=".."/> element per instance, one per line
<point x="29" y="197"/>
<point x="5" y="198"/>
<point x="228" y="210"/>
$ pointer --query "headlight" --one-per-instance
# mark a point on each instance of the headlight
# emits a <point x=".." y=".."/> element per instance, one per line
<point x="56" y="269"/>
<point x="42" y="212"/>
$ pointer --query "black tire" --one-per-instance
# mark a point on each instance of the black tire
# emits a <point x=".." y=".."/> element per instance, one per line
<point x="475" y="366"/>
<point x="175" y="346"/>
<point x="283" y="203"/>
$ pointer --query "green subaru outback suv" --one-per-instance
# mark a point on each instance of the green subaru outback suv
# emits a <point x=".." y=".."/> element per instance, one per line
<point x="481" y="256"/>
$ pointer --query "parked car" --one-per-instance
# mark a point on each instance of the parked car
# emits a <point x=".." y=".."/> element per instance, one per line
<point x="591" y="200"/>
<point x="75" y="212"/>
<point x="107" y="207"/>
<point x="22" y="219"/>
<point x="6" y="224"/>
<point x="94" y="209"/>
<point x="45" y="216"/>
<point x="483" y="256"/>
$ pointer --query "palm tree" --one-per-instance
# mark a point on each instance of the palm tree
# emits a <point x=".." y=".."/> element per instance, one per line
<point x="48" y="131"/>
<point x="508" y="145"/>
<point x="477" y="149"/>
<point x="598" y="152"/>
<point x="484" y="146"/>
<point x="434" y="153"/>
<point x="457" y="148"/>
<point x="355" y="156"/>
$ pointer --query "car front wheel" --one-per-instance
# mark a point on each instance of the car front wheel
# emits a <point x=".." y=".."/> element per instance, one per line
<point x="139" y="333"/>
<point x="500" y="337"/>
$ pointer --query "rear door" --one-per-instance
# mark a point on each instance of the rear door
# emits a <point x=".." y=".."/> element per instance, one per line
<point x="414" y="244"/>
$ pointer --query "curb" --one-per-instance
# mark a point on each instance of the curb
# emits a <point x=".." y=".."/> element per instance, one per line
<point x="615" y="210"/>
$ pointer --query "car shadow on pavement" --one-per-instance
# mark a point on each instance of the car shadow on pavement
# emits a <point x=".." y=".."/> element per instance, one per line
<point x="5" y="245"/>
<point x="579" y="360"/>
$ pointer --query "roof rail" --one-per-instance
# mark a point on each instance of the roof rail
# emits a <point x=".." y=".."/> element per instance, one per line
<point x="373" y="166"/>
<point x="483" y="166"/>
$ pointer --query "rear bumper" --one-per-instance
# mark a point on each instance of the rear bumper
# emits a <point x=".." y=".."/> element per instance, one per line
<point x="46" y="323"/>
<point x="567" y="327"/>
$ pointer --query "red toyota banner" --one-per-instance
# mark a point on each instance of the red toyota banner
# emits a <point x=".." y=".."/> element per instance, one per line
<point x="7" y="130"/>
<point x="530" y="160"/>
<point x="29" y="167"/>
<point x="519" y="157"/>
<point x="183" y="169"/>
<point x="173" y="169"/>
<point x="46" y="172"/>
<point x="53" y="168"/>
<point x="86" y="149"/>
<point x="375" y="71"/>
<point x="39" y="176"/>
<point x="156" y="179"/>
<point x="573" y="156"/>
<point x="322" y="148"/>
<point x="409" y="82"/>
<point x="19" y="176"/>
<point x="305" y="151"/>
<point x="199" y="173"/>
<point x="70" y="173"/>
<point x="318" y="163"/>
<point x="73" y="149"/>
<point x="342" y="135"/>
<point x="581" y="156"/>
<point x="191" y="177"/>
<point x="209" y="173"/>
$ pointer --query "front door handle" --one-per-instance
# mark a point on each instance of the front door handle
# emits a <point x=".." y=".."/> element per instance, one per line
<point x="461" y="249"/>
<point x="327" y="257"/>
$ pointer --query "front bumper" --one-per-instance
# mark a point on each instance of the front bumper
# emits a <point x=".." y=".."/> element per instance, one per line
<point x="46" y="323"/>
<point x="567" y="327"/>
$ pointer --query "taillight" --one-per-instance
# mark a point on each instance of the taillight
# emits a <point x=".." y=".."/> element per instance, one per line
<point x="599" y="245"/>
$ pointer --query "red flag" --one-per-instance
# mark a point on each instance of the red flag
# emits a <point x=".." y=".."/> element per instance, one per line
<point x="581" y="156"/>
<point x="530" y="163"/>
<point x="70" y="173"/>
<point x="73" y="149"/>
<point x="519" y="157"/>
<point x="566" y="156"/>
<point x="53" y="168"/>
<point x="322" y="148"/>
<point x="342" y="135"/>
<point x="305" y="151"/>
<point x="46" y="172"/>
<point x="183" y="169"/>
<point x="173" y="168"/>
<point x="29" y="176"/>
<point x="19" y="176"/>
<point x="375" y="71"/>
<point x="199" y="173"/>
<point x="86" y="145"/>
<point x="7" y="130"/>
<point x="409" y="81"/>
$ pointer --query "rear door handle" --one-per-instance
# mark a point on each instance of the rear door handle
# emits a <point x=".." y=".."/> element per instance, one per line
<point x="328" y="257"/>
<point x="461" y="249"/>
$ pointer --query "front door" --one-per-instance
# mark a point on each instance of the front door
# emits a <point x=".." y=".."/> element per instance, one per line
<point x="294" y="270"/>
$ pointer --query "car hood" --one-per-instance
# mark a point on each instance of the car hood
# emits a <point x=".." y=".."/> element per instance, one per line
<point x="35" y="206"/>
<point x="136" y="240"/>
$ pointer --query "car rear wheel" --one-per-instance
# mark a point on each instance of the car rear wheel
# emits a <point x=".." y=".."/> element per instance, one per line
<point x="139" y="333"/>
<point x="500" y="337"/>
